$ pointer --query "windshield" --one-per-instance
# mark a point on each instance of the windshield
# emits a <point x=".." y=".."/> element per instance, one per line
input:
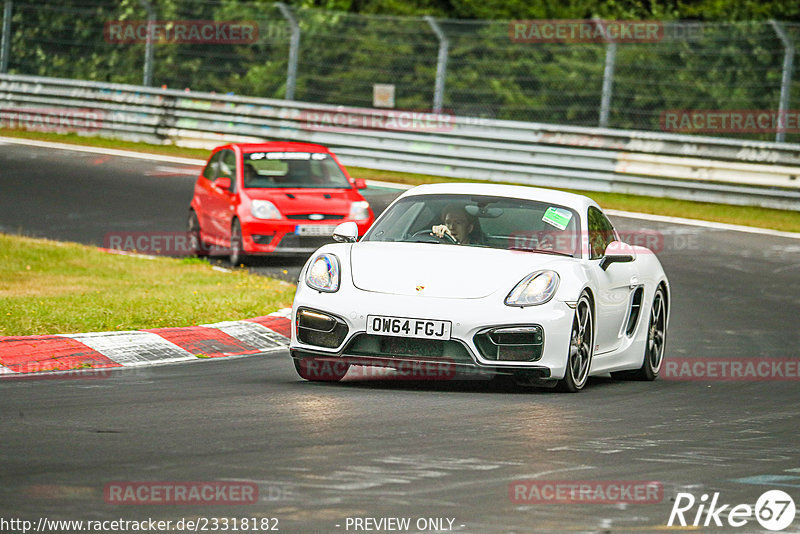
<point x="293" y="170"/>
<point x="483" y="221"/>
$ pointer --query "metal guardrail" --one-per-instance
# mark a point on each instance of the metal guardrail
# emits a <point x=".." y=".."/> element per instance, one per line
<point x="666" y="165"/>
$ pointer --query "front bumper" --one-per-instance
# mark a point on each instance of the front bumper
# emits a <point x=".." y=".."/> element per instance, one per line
<point x="468" y="317"/>
<point x="281" y="236"/>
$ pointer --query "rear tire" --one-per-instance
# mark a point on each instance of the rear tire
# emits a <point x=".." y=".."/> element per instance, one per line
<point x="316" y="370"/>
<point x="654" y="346"/>
<point x="581" y="348"/>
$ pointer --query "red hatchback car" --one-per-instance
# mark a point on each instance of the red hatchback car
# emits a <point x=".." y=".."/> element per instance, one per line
<point x="273" y="198"/>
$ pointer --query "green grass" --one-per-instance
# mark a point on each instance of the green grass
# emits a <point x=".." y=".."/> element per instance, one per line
<point x="784" y="220"/>
<point x="47" y="287"/>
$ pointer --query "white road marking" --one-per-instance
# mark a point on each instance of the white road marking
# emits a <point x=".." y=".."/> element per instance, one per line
<point x="283" y="312"/>
<point x="130" y="348"/>
<point x="704" y="224"/>
<point x="190" y="161"/>
<point x="162" y="171"/>
<point x="105" y="151"/>
<point x="253" y="334"/>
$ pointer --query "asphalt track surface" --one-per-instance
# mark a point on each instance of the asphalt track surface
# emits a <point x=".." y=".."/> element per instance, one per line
<point x="323" y="453"/>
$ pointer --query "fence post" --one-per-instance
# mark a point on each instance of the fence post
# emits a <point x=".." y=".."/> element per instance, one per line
<point x="294" y="49"/>
<point x="5" y="43"/>
<point x="441" y="64"/>
<point x="786" y="80"/>
<point x="608" y="80"/>
<point x="147" y="79"/>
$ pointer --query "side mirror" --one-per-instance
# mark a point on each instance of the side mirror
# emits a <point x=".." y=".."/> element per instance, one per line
<point x="617" y="252"/>
<point x="360" y="183"/>
<point x="223" y="182"/>
<point x="347" y="232"/>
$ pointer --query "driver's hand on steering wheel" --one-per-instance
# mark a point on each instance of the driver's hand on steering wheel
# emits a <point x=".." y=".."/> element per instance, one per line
<point x="441" y="229"/>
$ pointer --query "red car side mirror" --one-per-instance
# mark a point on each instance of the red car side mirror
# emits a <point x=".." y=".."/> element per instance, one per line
<point x="360" y="183"/>
<point x="223" y="182"/>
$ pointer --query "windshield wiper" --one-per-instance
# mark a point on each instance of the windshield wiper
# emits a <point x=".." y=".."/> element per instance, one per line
<point x="542" y="251"/>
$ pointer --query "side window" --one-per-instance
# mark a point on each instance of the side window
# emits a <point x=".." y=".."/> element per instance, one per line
<point x="210" y="172"/>
<point x="227" y="167"/>
<point x="601" y="233"/>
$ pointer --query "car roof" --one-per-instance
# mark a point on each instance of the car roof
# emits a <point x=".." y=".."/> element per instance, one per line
<point x="280" y="146"/>
<point x="579" y="203"/>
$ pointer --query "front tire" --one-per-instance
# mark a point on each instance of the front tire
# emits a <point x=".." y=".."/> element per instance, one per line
<point x="316" y="370"/>
<point x="581" y="348"/>
<point x="196" y="245"/>
<point x="238" y="256"/>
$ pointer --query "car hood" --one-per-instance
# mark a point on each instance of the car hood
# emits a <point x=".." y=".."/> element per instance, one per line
<point x="443" y="271"/>
<point x="297" y="201"/>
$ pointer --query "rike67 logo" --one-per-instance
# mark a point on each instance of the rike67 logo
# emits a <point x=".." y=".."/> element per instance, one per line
<point x="774" y="510"/>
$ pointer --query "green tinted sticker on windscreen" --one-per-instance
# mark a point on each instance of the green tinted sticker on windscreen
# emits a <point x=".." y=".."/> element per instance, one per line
<point x="557" y="217"/>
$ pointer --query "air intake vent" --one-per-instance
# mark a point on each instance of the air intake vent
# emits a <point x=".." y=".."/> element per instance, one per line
<point x="636" y="309"/>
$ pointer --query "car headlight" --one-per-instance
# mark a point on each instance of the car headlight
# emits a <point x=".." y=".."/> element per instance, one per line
<point x="264" y="209"/>
<point x="359" y="211"/>
<point x="323" y="274"/>
<point x="536" y="288"/>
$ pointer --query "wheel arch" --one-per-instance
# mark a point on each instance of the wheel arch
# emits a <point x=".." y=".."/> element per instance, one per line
<point x="593" y="305"/>
<point x="667" y="298"/>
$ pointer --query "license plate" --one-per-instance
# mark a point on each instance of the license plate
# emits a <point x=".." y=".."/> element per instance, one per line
<point x="314" y="229"/>
<point x="405" y="327"/>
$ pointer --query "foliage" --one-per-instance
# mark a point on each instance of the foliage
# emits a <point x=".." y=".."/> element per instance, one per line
<point x="347" y="46"/>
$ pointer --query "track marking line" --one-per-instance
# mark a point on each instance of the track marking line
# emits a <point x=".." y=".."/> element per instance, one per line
<point x="704" y="224"/>
<point x="378" y="183"/>
<point x="105" y="151"/>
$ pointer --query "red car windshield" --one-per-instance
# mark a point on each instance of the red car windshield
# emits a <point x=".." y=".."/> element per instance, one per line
<point x="313" y="170"/>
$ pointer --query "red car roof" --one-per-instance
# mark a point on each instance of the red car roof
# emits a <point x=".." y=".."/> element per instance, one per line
<point x="282" y="146"/>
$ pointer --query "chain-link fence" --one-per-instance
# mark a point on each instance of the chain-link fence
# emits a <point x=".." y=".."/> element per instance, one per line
<point x="497" y="69"/>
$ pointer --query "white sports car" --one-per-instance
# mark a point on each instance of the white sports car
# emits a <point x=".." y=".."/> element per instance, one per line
<point x="484" y="278"/>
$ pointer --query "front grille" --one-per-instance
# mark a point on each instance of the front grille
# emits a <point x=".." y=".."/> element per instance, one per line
<point x="306" y="217"/>
<point x="406" y="347"/>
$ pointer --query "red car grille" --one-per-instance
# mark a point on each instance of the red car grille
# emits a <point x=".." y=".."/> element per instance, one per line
<point x="306" y="217"/>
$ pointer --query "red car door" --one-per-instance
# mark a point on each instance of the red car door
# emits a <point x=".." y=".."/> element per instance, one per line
<point x="202" y="193"/>
<point x="221" y="202"/>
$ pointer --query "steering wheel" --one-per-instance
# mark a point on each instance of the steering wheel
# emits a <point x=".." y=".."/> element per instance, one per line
<point x="446" y="238"/>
